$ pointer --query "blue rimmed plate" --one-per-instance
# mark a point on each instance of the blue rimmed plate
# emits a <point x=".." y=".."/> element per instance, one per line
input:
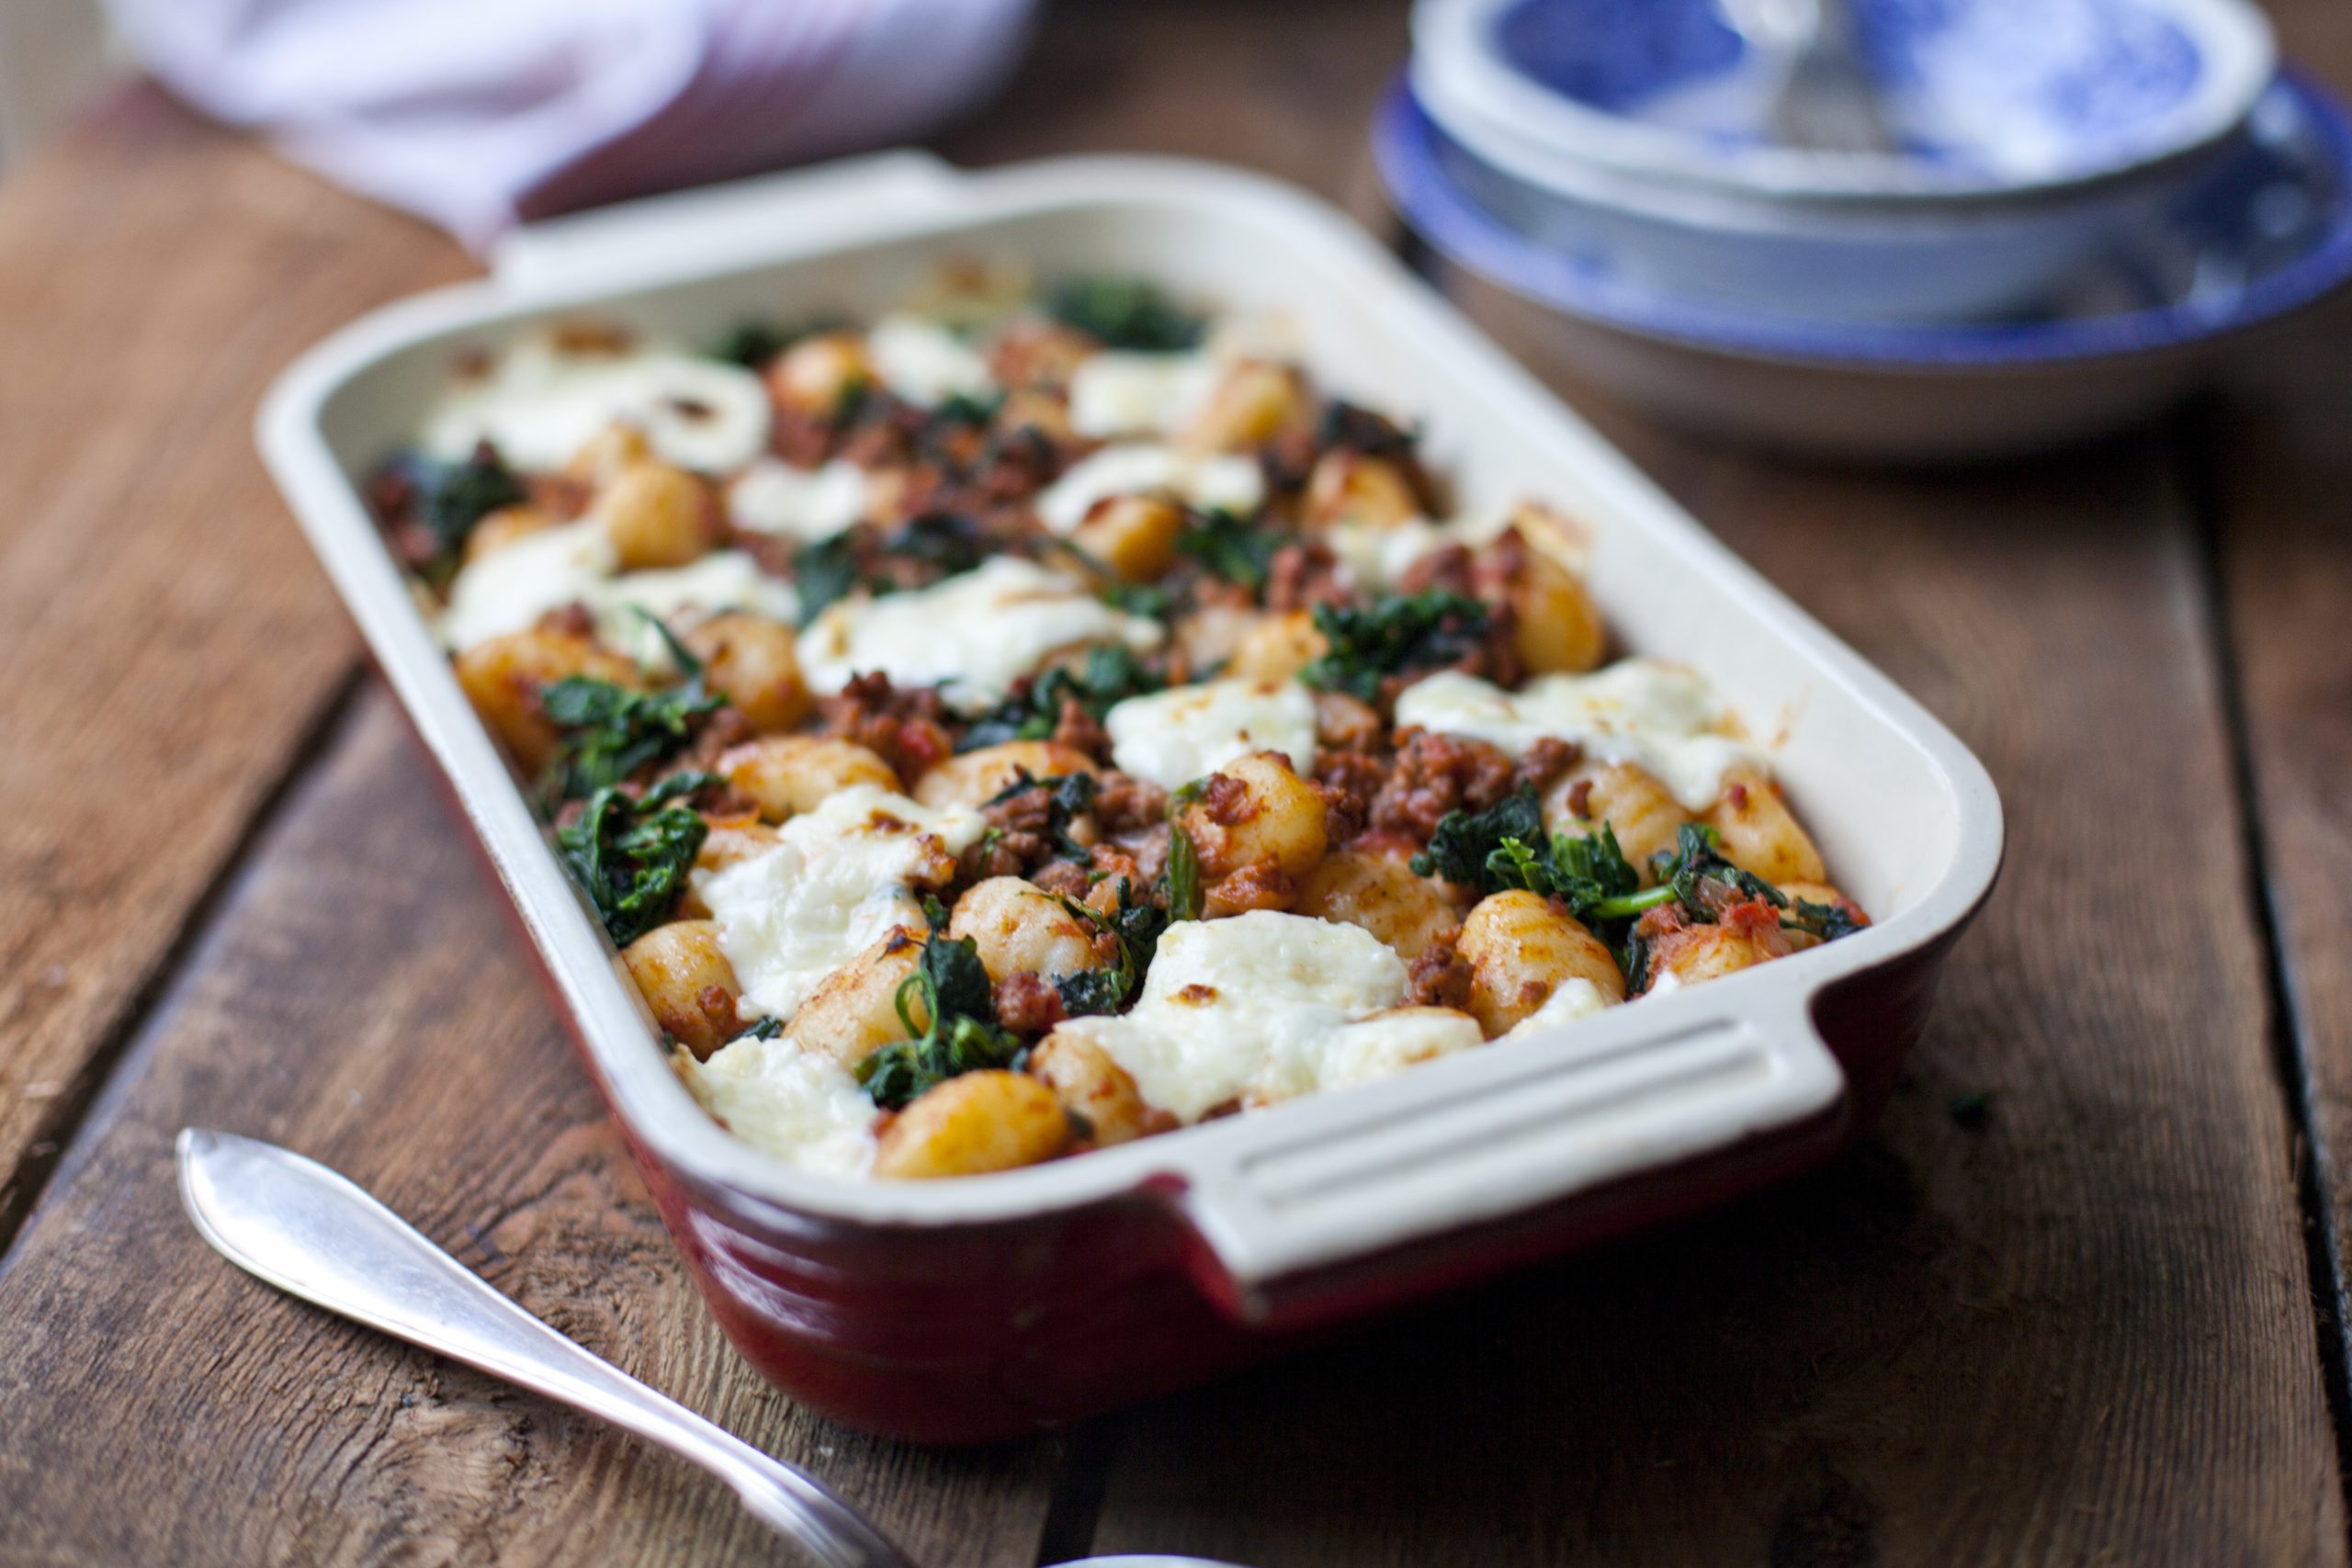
<point x="2263" y="234"/>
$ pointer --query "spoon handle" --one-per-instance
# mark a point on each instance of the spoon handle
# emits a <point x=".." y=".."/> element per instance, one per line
<point x="300" y="1226"/>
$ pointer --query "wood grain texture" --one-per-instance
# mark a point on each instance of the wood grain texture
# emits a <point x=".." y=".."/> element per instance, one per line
<point x="401" y="1037"/>
<point x="167" y="639"/>
<point x="2078" y="1331"/>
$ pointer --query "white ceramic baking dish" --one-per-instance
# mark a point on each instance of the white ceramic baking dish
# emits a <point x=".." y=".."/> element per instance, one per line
<point x="925" y="1308"/>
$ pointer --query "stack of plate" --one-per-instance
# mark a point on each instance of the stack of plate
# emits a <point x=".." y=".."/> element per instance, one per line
<point x="2081" y="205"/>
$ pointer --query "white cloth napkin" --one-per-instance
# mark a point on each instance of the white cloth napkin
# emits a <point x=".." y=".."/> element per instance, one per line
<point x="477" y="113"/>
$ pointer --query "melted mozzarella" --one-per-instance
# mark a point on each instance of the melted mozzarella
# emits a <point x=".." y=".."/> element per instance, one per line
<point x="723" y="580"/>
<point x="509" y="589"/>
<point x="1569" y="1000"/>
<point x="1376" y="555"/>
<point x="801" y="1106"/>
<point x="1188" y="732"/>
<point x="1223" y="483"/>
<point x="1120" y="393"/>
<point x="539" y="403"/>
<point x="839" y="878"/>
<point x="924" y="363"/>
<point x="1265" y="1006"/>
<point x="808" y="504"/>
<point x="1664" y="717"/>
<point x="973" y="634"/>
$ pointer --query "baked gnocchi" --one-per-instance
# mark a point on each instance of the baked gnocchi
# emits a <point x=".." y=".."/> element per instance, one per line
<point x="1016" y="727"/>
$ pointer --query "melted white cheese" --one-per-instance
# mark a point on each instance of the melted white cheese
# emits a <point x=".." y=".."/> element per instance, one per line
<point x="509" y="589"/>
<point x="924" y="363"/>
<point x="1375" y="555"/>
<point x="1188" y="732"/>
<point x="539" y="404"/>
<point x="837" y="880"/>
<point x="808" y="504"/>
<point x="1569" y="1000"/>
<point x="1121" y="393"/>
<point x="1223" y="483"/>
<point x="1664" y="717"/>
<point x="723" y="580"/>
<point x="801" y="1106"/>
<point x="1266" y="1006"/>
<point x="973" y="634"/>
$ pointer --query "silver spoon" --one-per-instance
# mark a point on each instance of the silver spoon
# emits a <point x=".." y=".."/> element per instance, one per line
<point x="292" y="1222"/>
<point x="1827" y="100"/>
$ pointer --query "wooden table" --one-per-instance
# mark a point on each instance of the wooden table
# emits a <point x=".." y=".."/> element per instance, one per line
<point x="2081" y="1298"/>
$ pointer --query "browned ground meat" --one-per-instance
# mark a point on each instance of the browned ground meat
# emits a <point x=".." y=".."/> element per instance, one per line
<point x="1079" y="728"/>
<point x="1449" y="569"/>
<point x="1028" y="1004"/>
<point x="574" y="619"/>
<point x="1345" y="812"/>
<point x="1435" y="774"/>
<point x="1349" y="781"/>
<point x="906" y="730"/>
<point x="1439" y="975"/>
<point x="718" y="732"/>
<point x="1260" y="884"/>
<point x="1303" y="574"/>
<point x="1066" y="878"/>
<point x="1546" y="759"/>
<point x="1124" y="803"/>
<point x="1227" y="800"/>
<point x="1021" y="838"/>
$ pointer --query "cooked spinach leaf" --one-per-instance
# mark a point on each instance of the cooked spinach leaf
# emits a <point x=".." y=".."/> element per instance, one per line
<point x="823" y="573"/>
<point x="1138" y="924"/>
<point x="958" y="1033"/>
<point x="1066" y="798"/>
<point x="1183" y="875"/>
<point x="1111" y="674"/>
<point x="1125" y="313"/>
<point x="632" y="856"/>
<point x="1229" y="546"/>
<point x="1466" y="842"/>
<point x="752" y="344"/>
<point x="1697" y="859"/>
<point x="449" y="499"/>
<point x="607" y="732"/>
<point x="1827" y="921"/>
<point x="1394" y="633"/>
<point x="1346" y="426"/>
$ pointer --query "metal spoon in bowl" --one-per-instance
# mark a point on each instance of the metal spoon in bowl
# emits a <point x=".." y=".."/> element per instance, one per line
<point x="300" y="1226"/>
<point x="1826" y="100"/>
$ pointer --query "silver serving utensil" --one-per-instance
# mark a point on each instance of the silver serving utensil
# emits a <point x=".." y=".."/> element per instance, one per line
<point x="1826" y="100"/>
<point x="300" y="1226"/>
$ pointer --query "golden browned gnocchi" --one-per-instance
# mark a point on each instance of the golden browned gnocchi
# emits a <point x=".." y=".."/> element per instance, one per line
<point x="1063" y="723"/>
<point x="656" y="516"/>
<point x="973" y="1124"/>
<point x="753" y="662"/>
<point x="684" y="975"/>
<point x="1019" y="928"/>
<point x="503" y="676"/>
<point x="785" y="775"/>
<point x="1258" y="829"/>
<point x="1382" y="894"/>
<point x="1521" y="949"/>
<point x="977" y="777"/>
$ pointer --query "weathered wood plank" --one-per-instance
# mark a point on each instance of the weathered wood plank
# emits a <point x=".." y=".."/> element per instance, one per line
<point x="168" y="641"/>
<point x="2076" y="1330"/>
<point x="2276" y="471"/>
<point x="165" y="1408"/>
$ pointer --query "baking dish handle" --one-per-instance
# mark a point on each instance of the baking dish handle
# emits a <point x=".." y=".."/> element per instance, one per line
<point x="1287" y="1209"/>
<point x="739" y="222"/>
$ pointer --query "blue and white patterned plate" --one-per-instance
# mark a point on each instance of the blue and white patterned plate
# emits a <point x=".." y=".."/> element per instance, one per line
<point x="1987" y="97"/>
<point x="2265" y="232"/>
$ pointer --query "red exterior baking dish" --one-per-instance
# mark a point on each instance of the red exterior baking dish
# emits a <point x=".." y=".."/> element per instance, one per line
<point x="985" y="1306"/>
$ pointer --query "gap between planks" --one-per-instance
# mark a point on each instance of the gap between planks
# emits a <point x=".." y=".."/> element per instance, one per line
<point x="2197" y="462"/>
